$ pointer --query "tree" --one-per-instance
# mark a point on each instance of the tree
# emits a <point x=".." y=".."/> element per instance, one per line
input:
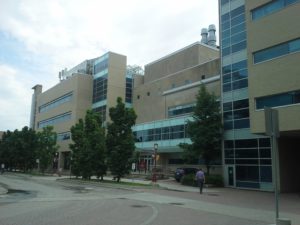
<point x="205" y="129"/>
<point x="120" y="142"/>
<point x="88" y="148"/>
<point x="46" y="147"/>
<point x="18" y="149"/>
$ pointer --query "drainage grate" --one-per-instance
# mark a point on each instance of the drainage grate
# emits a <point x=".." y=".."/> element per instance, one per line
<point x="176" y="203"/>
<point x="139" y="206"/>
<point x="213" y="194"/>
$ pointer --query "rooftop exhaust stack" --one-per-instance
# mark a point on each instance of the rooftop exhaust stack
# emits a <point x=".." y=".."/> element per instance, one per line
<point x="204" y="35"/>
<point x="212" y="35"/>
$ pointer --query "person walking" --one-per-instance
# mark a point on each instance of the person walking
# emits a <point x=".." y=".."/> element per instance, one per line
<point x="200" y="178"/>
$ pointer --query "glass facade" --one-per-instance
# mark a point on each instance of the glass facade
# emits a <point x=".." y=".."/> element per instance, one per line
<point x="282" y="99"/>
<point x="270" y="7"/>
<point x="161" y="133"/>
<point x="277" y="51"/>
<point x="55" y="120"/>
<point x="56" y="102"/>
<point x="252" y="158"/>
<point x="248" y="154"/>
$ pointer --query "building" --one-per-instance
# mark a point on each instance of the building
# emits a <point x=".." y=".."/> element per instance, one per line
<point x="260" y="51"/>
<point x="164" y="99"/>
<point x="93" y="84"/>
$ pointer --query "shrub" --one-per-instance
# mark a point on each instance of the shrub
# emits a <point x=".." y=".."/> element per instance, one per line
<point x="215" y="180"/>
<point x="188" y="180"/>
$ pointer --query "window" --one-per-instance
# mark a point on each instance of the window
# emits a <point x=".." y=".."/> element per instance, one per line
<point x="180" y="110"/>
<point x="203" y="77"/>
<point x="283" y="99"/>
<point x="128" y="92"/>
<point x="162" y="133"/>
<point x="276" y="51"/>
<point x="55" y="120"/>
<point x="138" y="97"/>
<point x="102" y="111"/>
<point x="56" y="102"/>
<point x="100" y="66"/>
<point x="148" y="93"/>
<point x="63" y="136"/>
<point x="100" y="89"/>
<point x="270" y="7"/>
<point x="236" y="114"/>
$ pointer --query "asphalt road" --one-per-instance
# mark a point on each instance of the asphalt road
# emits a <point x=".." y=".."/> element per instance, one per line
<point x="45" y="201"/>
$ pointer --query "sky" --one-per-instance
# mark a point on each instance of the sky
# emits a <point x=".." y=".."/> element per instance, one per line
<point x="39" y="38"/>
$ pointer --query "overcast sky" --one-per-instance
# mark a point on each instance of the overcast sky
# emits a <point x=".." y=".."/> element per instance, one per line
<point x="38" y="38"/>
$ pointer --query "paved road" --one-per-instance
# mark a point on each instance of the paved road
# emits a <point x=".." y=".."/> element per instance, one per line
<point x="45" y="201"/>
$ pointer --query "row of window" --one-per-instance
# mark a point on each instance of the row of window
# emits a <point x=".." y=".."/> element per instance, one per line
<point x="56" y="102"/>
<point x="180" y="110"/>
<point x="270" y="7"/>
<point x="282" y="99"/>
<point x="54" y="120"/>
<point x="277" y="51"/>
<point x="163" y="133"/>
<point x="63" y="136"/>
<point x="100" y="89"/>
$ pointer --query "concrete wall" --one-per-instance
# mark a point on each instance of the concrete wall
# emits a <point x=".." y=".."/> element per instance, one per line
<point x="278" y="75"/>
<point x="150" y="101"/>
<point x="81" y="86"/>
<point x="116" y="80"/>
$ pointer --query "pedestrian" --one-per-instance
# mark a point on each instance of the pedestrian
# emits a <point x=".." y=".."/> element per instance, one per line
<point x="200" y="178"/>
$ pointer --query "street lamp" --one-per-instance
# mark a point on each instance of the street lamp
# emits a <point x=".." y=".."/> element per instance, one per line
<point x="154" y="172"/>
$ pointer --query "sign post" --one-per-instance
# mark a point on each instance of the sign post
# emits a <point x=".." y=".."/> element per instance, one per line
<point x="272" y="130"/>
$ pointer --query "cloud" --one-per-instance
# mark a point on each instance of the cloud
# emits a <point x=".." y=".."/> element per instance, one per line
<point x="46" y="36"/>
<point x="15" y="99"/>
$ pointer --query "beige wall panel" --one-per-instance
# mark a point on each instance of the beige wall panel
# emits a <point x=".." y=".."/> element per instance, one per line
<point x="273" y="29"/>
<point x="186" y="58"/>
<point x="288" y="119"/>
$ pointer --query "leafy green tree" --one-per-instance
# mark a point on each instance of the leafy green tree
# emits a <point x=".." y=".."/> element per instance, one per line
<point x="46" y="147"/>
<point x="18" y="149"/>
<point x="120" y="140"/>
<point x="205" y="130"/>
<point x="28" y="147"/>
<point x="77" y="147"/>
<point x="88" y="147"/>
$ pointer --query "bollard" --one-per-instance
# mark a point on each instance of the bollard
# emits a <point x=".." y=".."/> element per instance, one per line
<point x="283" y="221"/>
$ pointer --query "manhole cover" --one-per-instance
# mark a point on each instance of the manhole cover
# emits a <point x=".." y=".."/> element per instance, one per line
<point x="138" y="206"/>
<point x="176" y="203"/>
<point x="213" y="194"/>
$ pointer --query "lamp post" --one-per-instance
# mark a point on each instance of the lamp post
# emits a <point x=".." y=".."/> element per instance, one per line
<point x="154" y="171"/>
